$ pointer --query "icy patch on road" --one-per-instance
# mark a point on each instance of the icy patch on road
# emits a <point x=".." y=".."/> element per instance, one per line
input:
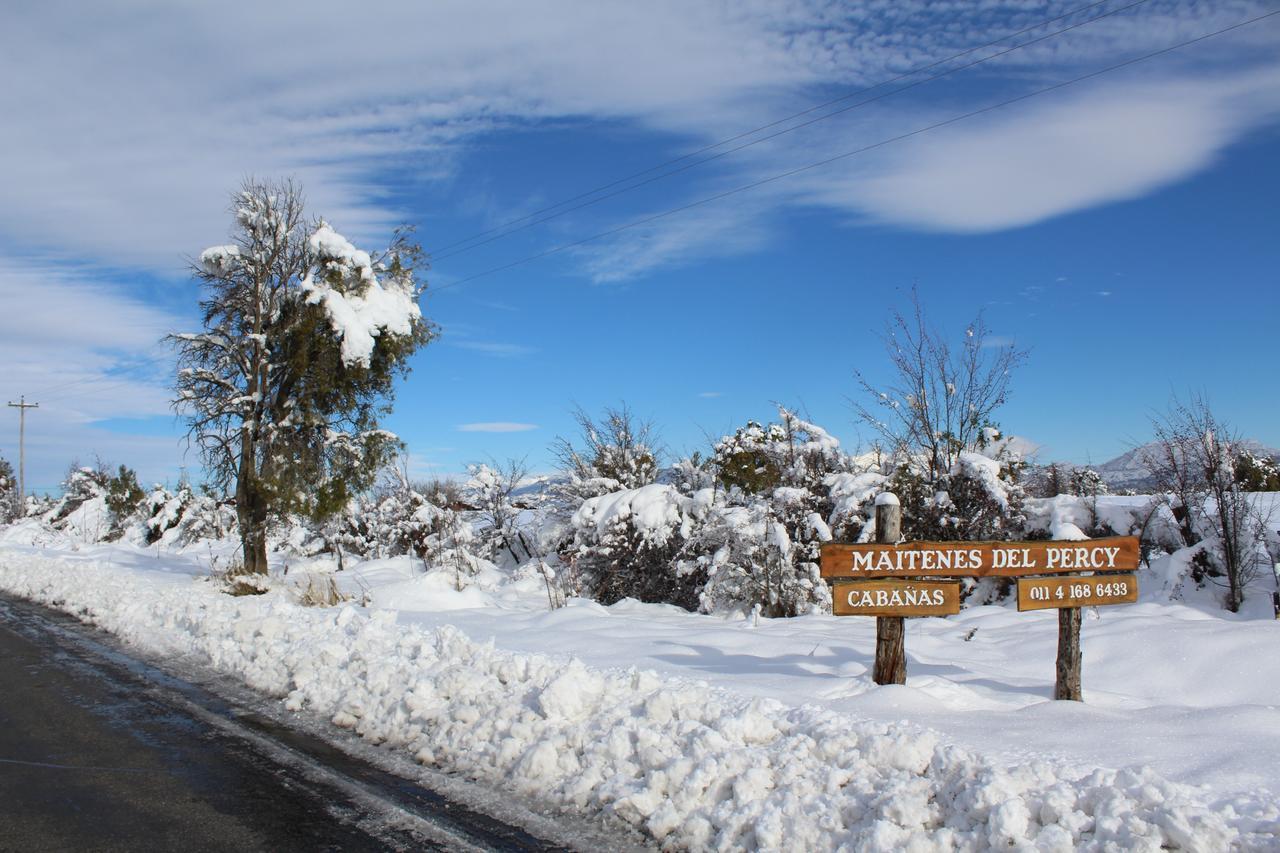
<point x="695" y="767"/>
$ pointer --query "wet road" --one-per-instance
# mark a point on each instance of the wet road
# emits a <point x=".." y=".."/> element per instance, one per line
<point x="101" y="751"/>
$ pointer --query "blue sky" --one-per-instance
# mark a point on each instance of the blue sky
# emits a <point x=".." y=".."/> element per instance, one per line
<point x="1124" y="229"/>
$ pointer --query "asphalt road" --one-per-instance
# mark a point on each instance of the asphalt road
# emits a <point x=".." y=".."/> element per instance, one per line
<point x="102" y="751"/>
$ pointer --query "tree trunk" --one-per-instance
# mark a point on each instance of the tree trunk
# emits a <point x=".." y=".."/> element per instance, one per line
<point x="251" y="510"/>
<point x="1068" y="682"/>
<point x="891" y="653"/>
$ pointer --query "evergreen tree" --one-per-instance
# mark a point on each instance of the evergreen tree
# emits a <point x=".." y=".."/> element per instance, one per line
<point x="124" y="495"/>
<point x="8" y="492"/>
<point x="303" y="336"/>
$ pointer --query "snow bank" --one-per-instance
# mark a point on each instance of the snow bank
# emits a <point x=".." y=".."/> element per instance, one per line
<point x="695" y="767"/>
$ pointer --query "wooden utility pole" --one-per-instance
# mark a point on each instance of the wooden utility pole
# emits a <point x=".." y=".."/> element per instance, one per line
<point x="22" y="405"/>
<point x="891" y="654"/>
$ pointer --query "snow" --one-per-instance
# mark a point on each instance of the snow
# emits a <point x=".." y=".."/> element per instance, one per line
<point x="362" y="306"/>
<point x="655" y="510"/>
<point x="987" y="472"/>
<point x="220" y="259"/>
<point x="708" y="732"/>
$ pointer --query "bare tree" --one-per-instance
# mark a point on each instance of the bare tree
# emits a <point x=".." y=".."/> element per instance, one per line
<point x="1193" y="460"/>
<point x="939" y="399"/>
<point x="618" y="447"/>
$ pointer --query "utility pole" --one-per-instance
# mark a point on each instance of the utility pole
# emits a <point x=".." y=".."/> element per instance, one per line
<point x="22" y="405"/>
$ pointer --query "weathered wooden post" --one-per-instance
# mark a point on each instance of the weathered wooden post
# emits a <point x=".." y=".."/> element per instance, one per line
<point x="891" y="654"/>
<point x="1067" y="685"/>
<point x="1275" y="596"/>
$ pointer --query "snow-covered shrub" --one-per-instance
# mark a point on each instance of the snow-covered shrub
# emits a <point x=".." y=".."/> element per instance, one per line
<point x="387" y="524"/>
<point x="204" y="518"/>
<point x="1254" y="473"/>
<point x="978" y="499"/>
<point x="1058" y="479"/>
<point x="625" y="545"/>
<point x="490" y="494"/>
<point x="181" y="518"/>
<point x="426" y="521"/>
<point x="160" y="512"/>
<point x="614" y="453"/>
<point x="81" y="486"/>
<point x="786" y="488"/>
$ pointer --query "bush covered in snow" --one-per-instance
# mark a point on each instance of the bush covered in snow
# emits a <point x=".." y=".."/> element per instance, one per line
<point x="625" y="545"/>
<point x="182" y="517"/>
<point x="784" y="489"/>
<point x="978" y="499"/>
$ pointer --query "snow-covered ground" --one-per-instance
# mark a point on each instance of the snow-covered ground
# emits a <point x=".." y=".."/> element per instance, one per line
<point x="732" y="733"/>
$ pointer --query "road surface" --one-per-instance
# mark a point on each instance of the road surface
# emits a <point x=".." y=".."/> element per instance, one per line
<point x="100" y="750"/>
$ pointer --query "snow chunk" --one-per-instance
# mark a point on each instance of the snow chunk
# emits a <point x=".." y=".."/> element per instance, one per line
<point x="985" y="471"/>
<point x="359" y="305"/>
<point x="220" y="259"/>
<point x="655" y="510"/>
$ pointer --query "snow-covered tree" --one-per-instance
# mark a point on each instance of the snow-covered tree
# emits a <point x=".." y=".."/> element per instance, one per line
<point x="303" y="335"/>
<point x="1194" y="460"/>
<point x="8" y="492"/>
<point x="979" y="498"/>
<point x="124" y="496"/>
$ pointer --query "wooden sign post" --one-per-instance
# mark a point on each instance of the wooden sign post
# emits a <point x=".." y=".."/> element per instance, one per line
<point x="891" y="652"/>
<point x="887" y="580"/>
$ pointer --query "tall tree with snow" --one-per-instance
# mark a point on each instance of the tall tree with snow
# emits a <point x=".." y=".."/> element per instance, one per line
<point x="303" y="336"/>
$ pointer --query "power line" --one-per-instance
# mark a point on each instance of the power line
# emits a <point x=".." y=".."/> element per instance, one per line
<point x="475" y="241"/>
<point x="827" y="161"/>
<point x="110" y="385"/>
<point x="121" y="370"/>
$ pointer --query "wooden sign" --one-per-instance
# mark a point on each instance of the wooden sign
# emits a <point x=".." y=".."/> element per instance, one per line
<point x="979" y="559"/>
<point x="1045" y="593"/>
<point x="895" y="598"/>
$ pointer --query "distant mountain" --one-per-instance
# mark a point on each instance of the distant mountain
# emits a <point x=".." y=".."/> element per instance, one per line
<point x="1128" y="470"/>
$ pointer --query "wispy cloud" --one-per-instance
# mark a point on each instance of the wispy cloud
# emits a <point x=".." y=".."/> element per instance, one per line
<point x="494" y="348"/>
<point x="136" y="121"/>
<point x="86" y="353"/>
<point x="496" y="426"/>
<point x="710" y="394"/>
<point x="1103" y="144"/>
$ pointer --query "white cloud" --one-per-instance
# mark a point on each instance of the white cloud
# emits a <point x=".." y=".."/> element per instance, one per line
<point x="138" y="117"/>
<point x="496" y="426"/>
<point x="1105" y="144"/>
<point x="711" y="394"/>
<point x="86" y="353"/>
